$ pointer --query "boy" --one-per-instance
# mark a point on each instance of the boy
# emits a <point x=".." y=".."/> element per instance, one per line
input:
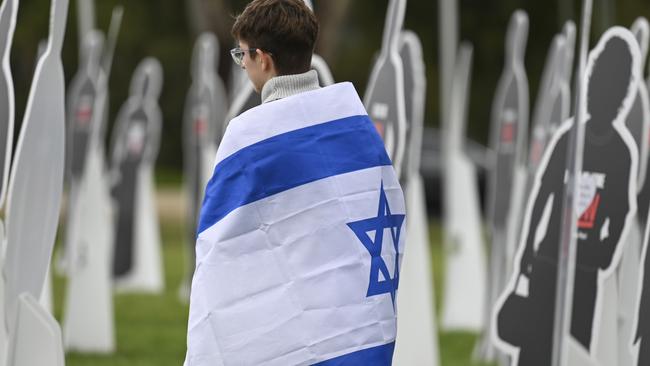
<point x="301" y="230"/>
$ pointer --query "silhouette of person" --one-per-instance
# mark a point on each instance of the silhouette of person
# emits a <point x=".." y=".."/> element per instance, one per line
<point x="197" y="135"/>
<point x="505" y="164"/>
<point x="80" y="116"/>
<point x="527" y="322"/>
<point x="134" y="143"/>
<point x="604" y="199"/>
<point x="606" y="169"/>
<point x="200" y="133"/>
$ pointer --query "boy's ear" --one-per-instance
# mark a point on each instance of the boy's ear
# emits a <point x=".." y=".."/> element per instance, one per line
<point x="266" y="59"/>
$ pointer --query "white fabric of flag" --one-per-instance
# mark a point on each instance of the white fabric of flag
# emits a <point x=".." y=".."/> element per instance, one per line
<point x="300" y="239"/>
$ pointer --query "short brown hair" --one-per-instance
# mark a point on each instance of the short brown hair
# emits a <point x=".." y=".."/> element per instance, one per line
<point x="285" y="28"/>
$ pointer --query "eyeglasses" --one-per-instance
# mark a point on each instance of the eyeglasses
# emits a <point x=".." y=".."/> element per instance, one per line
<point x="238" y="54"/>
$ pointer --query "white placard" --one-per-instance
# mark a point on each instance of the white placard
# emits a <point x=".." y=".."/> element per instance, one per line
<point x="465" y="284"/>
<point x="386" y="87"/>
<point x="508" y="140"/>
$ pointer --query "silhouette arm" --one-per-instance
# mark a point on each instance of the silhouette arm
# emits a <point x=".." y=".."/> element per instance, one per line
<point x="554" y="171"/>
<point x="617" y="218"/>
<point x="535" y="217"/>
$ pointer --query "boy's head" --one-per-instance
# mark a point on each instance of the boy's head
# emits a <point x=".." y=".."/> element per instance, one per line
<point x="283" y="34"/>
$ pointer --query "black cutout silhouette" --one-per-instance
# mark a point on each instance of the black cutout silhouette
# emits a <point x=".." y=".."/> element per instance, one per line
<point x="124" y="193"/>
<point x="135" y="143"/>
<point x="80" y="130"/>
<point x="527" y="322"/>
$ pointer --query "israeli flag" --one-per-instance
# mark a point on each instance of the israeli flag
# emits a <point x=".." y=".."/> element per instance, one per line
<point x="300" y="239"/>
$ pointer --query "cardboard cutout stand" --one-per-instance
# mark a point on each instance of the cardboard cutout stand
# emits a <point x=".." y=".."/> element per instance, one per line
<point x="8" y="13"/>
<point x="204" y="121"/>
<point x="46" y="299"/>
<point x="417" y="341"/>
<point x="415" y="89"/>
<point x="34" y="195"/>
<point x="540" y="129"/>
<point x="560" y="107"/>
<point x="569" y="32"/>
<point x="644" y="192"/>
<point x="36" y="328"/>
<point x="553" y="98"/>
<point x="641" y="329"/>
<point x="562" y="342"/>
<point x="638" y="121"/>
<point x="605" y="205"/>
<point x="85" y="18"/>
<point x="80" y="109"/>
<point x="465" y="284"/>
<point x="80" y="113"/>
<point x="4" y="334"/>
<point x="553" y="104"/>
<point x="639" y="345"/>
<point x="137" y="260"/>
<point x="508" y="140"/>
<point x="384" y="98"/>
<point x="88" y="308"/>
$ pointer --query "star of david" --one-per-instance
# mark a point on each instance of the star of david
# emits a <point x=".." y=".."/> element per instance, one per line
<point x="384" y="220"/>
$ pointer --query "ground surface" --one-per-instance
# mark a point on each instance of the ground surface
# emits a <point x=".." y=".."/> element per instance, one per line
<point x="151" y="329"/>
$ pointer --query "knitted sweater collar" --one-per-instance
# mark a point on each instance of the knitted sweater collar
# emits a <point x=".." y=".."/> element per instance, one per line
<point x="287" y="85"/>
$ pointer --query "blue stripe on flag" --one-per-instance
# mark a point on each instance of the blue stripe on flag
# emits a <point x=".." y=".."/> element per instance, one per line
<point x="289" y="160"/>
<point x="375" y="356"/>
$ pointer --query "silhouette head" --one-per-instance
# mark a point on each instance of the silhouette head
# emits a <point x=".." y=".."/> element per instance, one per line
<point x="147" y="79"/>
<point x="610" y="75"/>
<point x="91" y="52"/>
<point x="205" y="56"/>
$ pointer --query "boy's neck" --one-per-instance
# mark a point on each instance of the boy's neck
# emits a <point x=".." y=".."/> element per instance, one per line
<point x="287" y="85"/>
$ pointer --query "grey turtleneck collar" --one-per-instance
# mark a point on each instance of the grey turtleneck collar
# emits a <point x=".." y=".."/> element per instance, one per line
<point x="287" y="85"/>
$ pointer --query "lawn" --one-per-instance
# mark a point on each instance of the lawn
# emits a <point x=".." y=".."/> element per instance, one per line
<point x="151" y="329"/>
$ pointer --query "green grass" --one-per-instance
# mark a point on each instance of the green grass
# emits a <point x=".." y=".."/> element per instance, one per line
<point x="455" y="347"/>
<point x="166" y="177"/>
<point x="151" y="330"/>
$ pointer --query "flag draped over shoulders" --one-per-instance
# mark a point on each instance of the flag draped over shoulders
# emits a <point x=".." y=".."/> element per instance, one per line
<point x="300" y="239"/>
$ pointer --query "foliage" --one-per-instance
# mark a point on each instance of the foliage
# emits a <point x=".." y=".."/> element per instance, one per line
<point x="161" y="28"/>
